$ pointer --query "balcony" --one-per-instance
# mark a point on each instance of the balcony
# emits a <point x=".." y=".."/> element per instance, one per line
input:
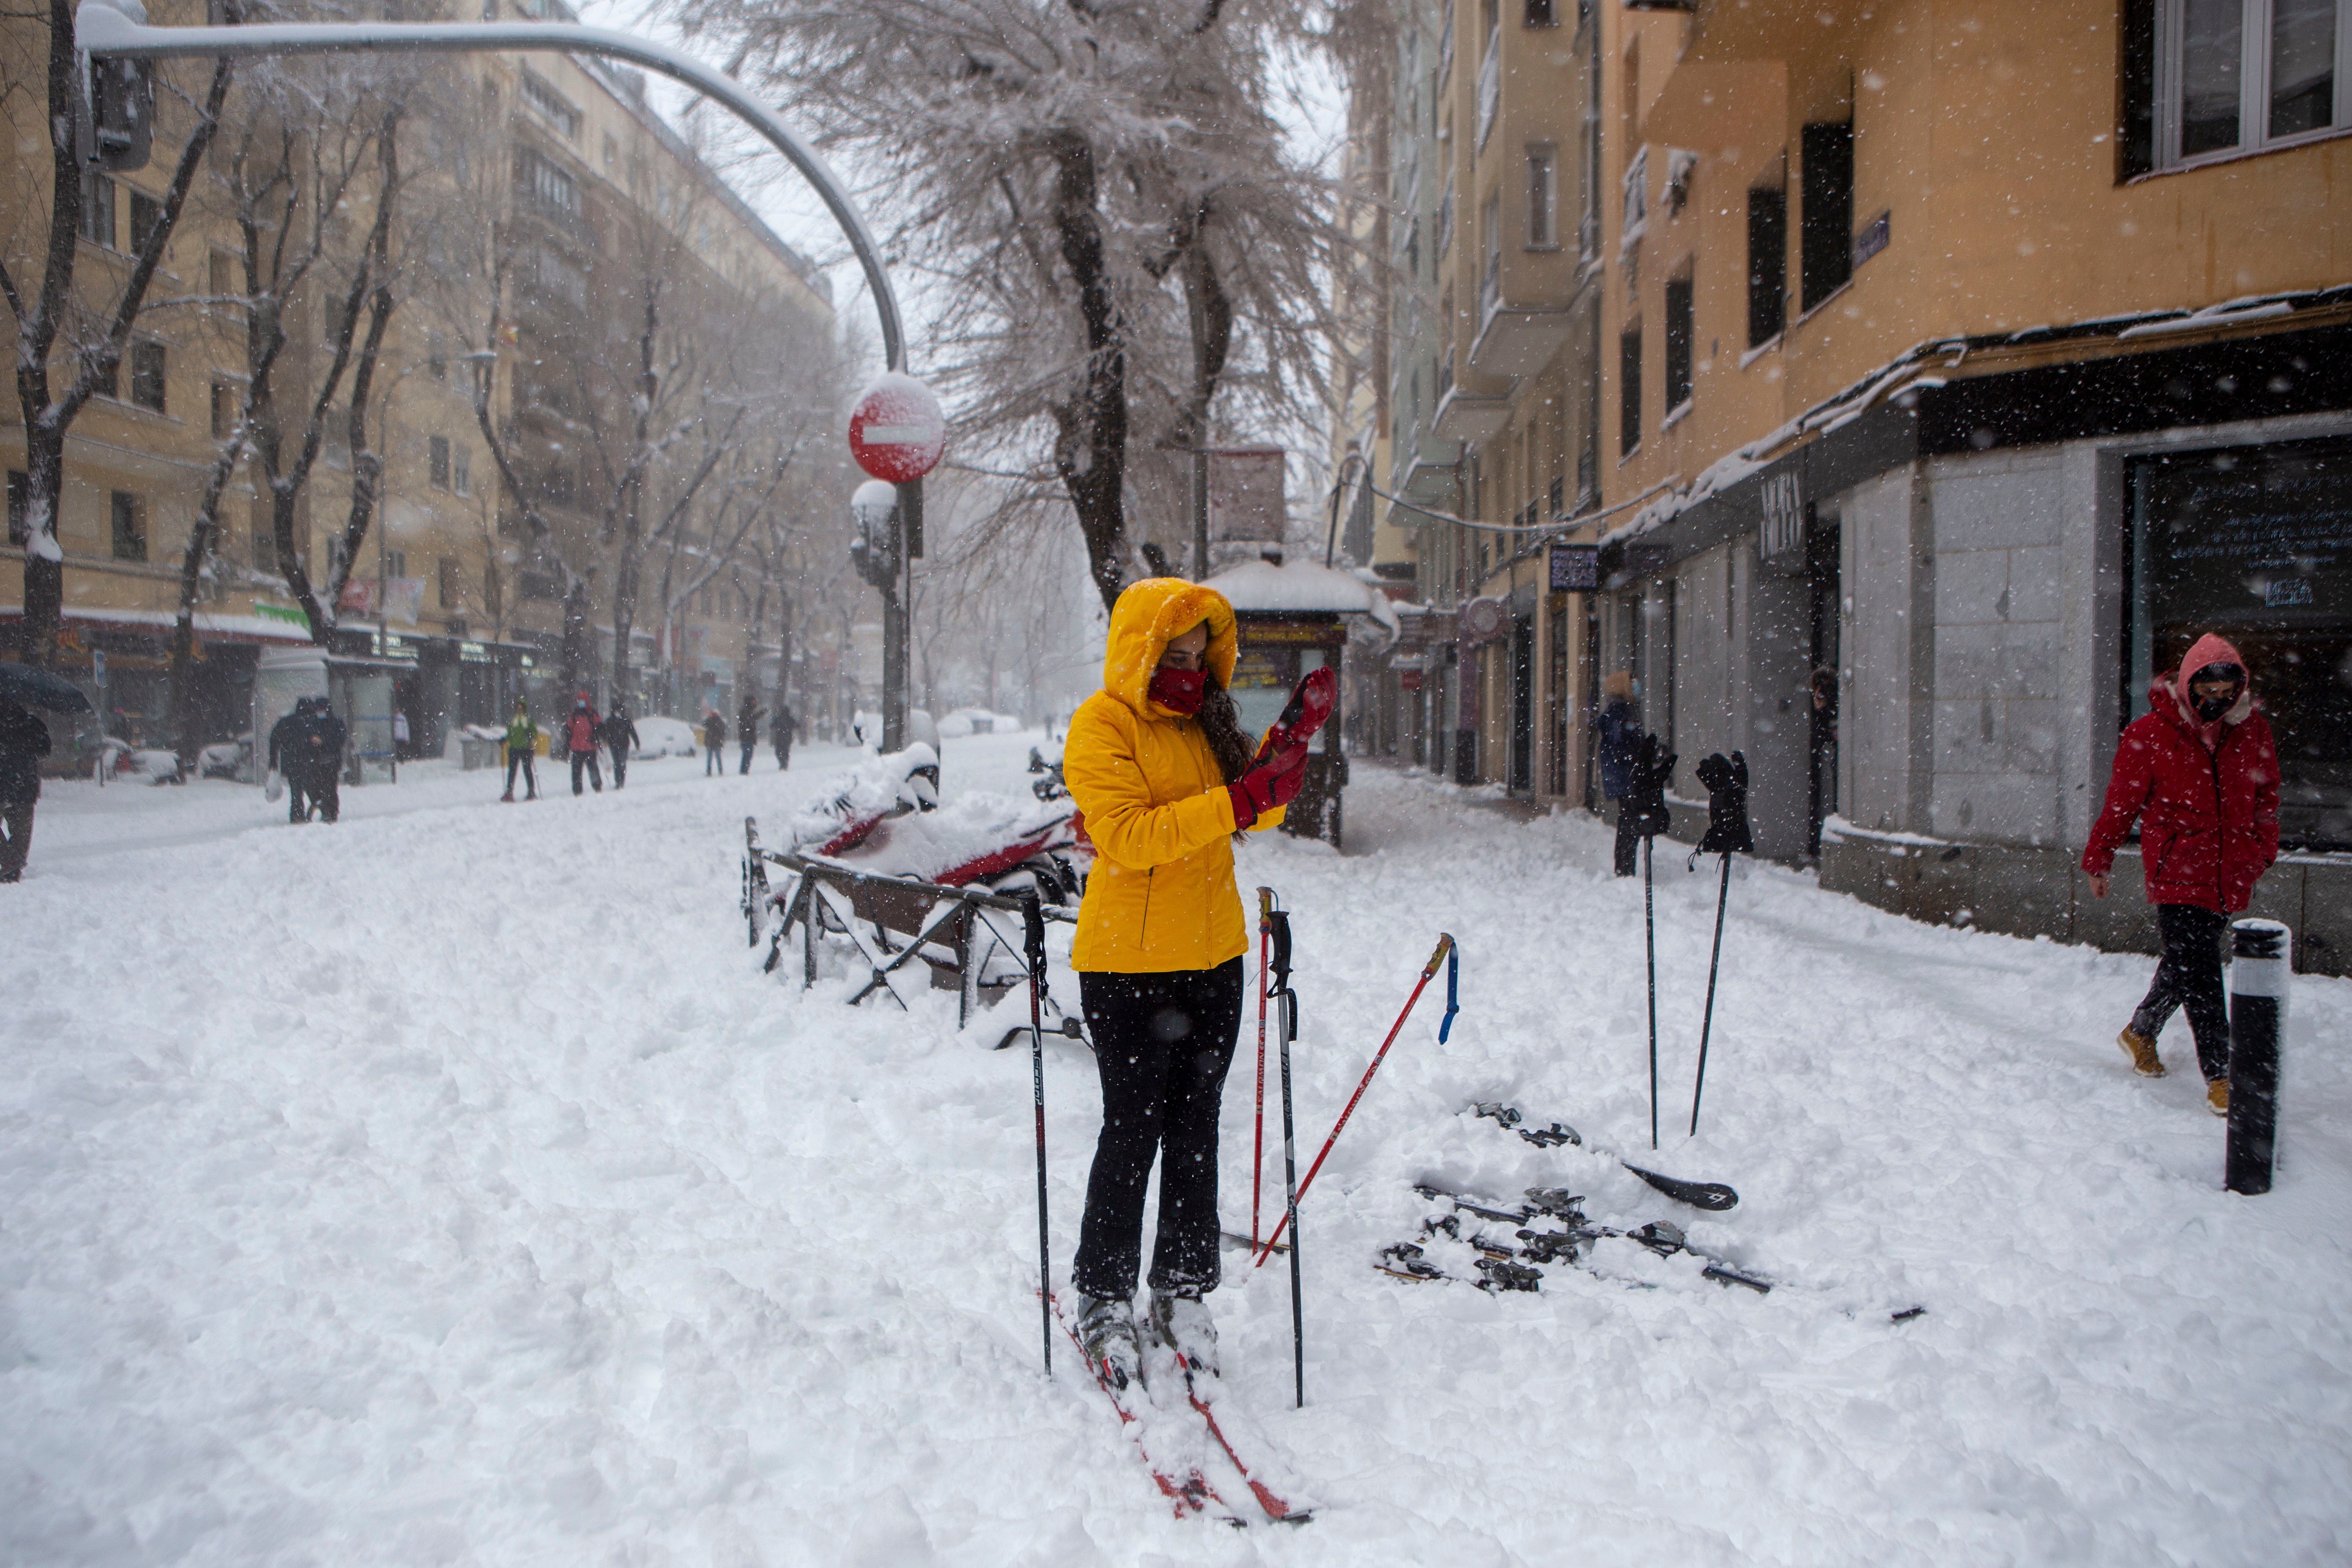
<point x="1519" y="339"/>
<point x="1463" y="415"/>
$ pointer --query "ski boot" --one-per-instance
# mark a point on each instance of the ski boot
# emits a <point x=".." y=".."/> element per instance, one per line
<point x="1106" y="1333"/>
<point x="2142" y="1051"/>
<point x="1182" y="1323"/>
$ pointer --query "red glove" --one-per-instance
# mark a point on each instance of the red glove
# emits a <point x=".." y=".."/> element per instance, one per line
<point x="1271" y="783"/>
<point x="1309" y="705"/>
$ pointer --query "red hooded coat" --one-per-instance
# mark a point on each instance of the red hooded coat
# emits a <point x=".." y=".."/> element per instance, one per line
<point x="2205" y="795"/>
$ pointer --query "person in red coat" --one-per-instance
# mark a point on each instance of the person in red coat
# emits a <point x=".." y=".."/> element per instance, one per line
<point x="582" y="733"/>
<point x="2200" y="773"/>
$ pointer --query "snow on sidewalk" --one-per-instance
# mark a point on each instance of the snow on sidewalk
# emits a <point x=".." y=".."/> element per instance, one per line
<point x="451" y="1186"/>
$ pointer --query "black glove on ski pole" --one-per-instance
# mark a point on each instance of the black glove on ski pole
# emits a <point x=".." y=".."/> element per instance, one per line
<point x="1033" y="942"/>
<point x="1727" y="830"/>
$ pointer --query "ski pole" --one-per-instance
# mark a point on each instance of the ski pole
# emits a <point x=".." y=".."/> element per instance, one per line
<point x="1428" y="973"/>
<point x="1032" y="933"/>
<point x="1706" y="1019"/>
<point x="1257" y="1139"/>
<point x="1650" y="945"/>
<point x="1286" y="1030"/>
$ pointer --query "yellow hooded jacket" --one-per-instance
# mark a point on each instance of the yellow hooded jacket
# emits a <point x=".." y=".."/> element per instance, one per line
<point x="1161" y="895"/>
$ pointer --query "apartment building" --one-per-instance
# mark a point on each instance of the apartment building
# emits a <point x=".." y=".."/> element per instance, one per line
<point x="555" y="184"/>
<point x="1979" y="357"/>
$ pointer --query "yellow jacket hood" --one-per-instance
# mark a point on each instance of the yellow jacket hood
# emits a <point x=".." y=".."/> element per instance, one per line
<point x="1147" y="617"/>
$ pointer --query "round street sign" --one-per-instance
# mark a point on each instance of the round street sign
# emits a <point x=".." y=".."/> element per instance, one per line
<point x="898" y="431"/>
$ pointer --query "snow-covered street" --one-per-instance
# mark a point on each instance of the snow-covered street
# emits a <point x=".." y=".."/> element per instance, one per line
<point x="450" y="1186"/>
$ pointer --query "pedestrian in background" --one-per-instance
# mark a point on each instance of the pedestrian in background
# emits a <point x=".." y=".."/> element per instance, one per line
<point x="523" y="742"/>
<point x="1618" y="727"/>
<point x="281" y="759"/>
<point x="24" y="742"/>
<point x="582" y="733"/>
<point x="318" y="742"/>
<point x="714" y="742"/>
<point x="621" y="736"/>
<point x="747" y="729"/>
<point x="782" y="731"/>
<point x="2199" y="771"/>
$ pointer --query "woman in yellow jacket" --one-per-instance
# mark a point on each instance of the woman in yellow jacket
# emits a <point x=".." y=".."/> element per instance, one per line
<point x="1158" y="761"/>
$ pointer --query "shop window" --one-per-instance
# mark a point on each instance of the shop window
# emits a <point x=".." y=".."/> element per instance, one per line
<point x="1679" y="331"/>
<point x="1629" y="391"/>
<point x="129" y="527"/>
<point x="1768" y="264"/>
<point x="2211" y="78"/>
<point x="2255" y="543"/>
<point x="20" y="496"/>
<point x="147" y="373"/>
<point x="1825" y="241"/>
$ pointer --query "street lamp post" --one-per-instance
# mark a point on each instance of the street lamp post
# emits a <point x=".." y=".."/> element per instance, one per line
<point x="104" y="32"/>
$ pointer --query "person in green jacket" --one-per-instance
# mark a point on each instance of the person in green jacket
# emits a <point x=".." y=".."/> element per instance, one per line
<point x="523" y="742"/>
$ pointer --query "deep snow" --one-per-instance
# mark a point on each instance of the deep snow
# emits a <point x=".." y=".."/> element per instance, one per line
<point x="450" y="1186"/>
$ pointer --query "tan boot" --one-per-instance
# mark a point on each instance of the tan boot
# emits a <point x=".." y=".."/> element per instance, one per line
<point x="2142" y="1051"/>
<point x="2217" y="1096"/>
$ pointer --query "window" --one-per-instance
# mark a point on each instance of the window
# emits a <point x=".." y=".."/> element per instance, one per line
<point x="224" y="276"/>
<point x="396" y="563"/>
<point x="97" y="210"/>
<point x="1539" y="14"/>
<point x="1825" y="243"/>
<point x="1543" y="196"/>
<point x="436" y="462"/>
<point x="556" y="277"/>
<point x="1445" y="218"/>
<point x="265" y="538"/>
<point x="1678" y="343"/>
<point x="436" y="359"/>
<point x="225" y="402"/>
<point x="552" y="106"/>
<point x="147" y="373"/>
<point x="461" y="471"/>
<point x="129" y="527"/>
<point x="20" y="496"/>
<point x="1490" y="244"/>
<point x="146" y="217"/>
<point x="541" y="185"/>
<point x="611" y="151"/>
<point x="452" y="572"/>
<point x="2207" y="79"/>
<point x="1636" y="219"/>
<point x="1768" y="264"/>
<point x="106" y="382"/>
<point x="1629" y="390"/>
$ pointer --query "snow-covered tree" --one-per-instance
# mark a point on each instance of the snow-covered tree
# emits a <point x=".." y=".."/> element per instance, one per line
<point x="1122" y="257"/>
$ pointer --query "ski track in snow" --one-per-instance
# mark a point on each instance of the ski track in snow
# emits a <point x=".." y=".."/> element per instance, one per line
<point x="450" y="1186"/>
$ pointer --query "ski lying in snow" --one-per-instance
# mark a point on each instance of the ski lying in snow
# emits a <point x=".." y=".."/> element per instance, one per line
<point x="1277" y="1510"/>
<point x="1713" y="1196"/>
<point x="1164" y="1369"/>
<point x="1502" y="1264"/>
<point x="1235" y="1241"/>
<point x="1187" y="1489"/>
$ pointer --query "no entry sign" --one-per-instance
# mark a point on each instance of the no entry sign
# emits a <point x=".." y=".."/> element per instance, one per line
<point x="898" y="431"/>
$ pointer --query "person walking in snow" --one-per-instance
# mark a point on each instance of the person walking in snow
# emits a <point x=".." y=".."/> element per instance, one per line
<point x="522" y="744"/>
<point x="620" y="735"/>
<point x="319" y="757"/>
<point x="582" y="733"/>
<point x="747" y="729"/>
<point x="281" y="760"/>
<point x="782" y="731"/>
<point x="2200" y="774"/>
<point x="1618" y="727"/>
<point x="714" y="739"/>
<point x="1158" y="761"/>
<point x="24" y="742"/>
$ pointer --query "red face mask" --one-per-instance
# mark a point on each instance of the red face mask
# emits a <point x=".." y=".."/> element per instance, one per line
<point x="1179" y="690"/>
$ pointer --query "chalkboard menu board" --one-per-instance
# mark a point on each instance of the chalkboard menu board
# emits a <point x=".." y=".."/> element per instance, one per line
<point x="2255" y="543"/>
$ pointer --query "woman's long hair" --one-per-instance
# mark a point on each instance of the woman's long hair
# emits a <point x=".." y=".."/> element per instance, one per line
<point x="1221" y="722"/>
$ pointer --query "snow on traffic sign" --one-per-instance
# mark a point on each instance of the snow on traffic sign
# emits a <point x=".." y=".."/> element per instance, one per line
<point x="898" y="430"/>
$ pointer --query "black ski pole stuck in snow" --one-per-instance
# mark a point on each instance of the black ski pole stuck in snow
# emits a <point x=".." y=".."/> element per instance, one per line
<point x="1650" y="955"/>
<point x="1277" y="924"/>
<point x="1727" y="831"/>
<point x="1706" y="1019"/>
<point x="2258" y="952"/>
<point x="1033" y="942"/>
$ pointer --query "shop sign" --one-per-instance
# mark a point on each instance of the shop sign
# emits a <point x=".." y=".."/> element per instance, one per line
<point x="1575" y="568"/>
<point x="269" y="612"/>
<point x="1246" y="499"/>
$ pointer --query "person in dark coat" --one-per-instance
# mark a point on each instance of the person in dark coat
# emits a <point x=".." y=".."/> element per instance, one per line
<point x="319" y="753"/>
<point x="24" y="742"/>
<point x="620" y="736"/>
<point x="2200" y="774"/>
<point x="714" y="738"/>
<point x="1618" y="727"/>
<point x="782" y="731"/>
<point x="282" y="760"/>
<point x="582" y="733"/>
<point x="747" y="729"/>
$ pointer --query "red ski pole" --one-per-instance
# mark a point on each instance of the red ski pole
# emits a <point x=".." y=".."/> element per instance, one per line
<point x="1428" y="973"/>
<point x="1257" y="1150"/>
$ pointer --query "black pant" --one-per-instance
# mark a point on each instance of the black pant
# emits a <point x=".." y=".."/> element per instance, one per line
<point x="2189" y="974"/>
<point x="713" y="760"/>
<point x="1629" y="843"/>
<point x="587" y="759"/>
<point x="298" y="793"/>
<point x="620" y="765"/>
<point x="749" y="747"/>
<point x="322" y="788"/>
<point x="1163" y="1042"/>
<point x="16" y="817"/>
<point x="522" y="759"/>
<point x="784" y="754"/>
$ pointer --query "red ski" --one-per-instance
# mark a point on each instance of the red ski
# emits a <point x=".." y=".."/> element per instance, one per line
<point x="1190" y="1491"/>
<point x="1279" y="1511"/>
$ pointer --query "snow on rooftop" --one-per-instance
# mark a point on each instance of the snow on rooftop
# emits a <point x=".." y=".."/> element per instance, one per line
<point x="1294" y="585"/>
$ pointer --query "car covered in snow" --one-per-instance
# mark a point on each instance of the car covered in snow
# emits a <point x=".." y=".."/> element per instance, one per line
<point x="658" y="736"/>
<point x="226" y="759"/>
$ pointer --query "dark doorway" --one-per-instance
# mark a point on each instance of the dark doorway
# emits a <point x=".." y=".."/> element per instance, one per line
<point x="1822" y="583"/>
<point x="1523" y="707"/>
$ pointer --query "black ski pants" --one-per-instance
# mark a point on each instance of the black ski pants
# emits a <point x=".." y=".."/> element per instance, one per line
<point x="1628" y="858"/>
<point x="17" y="817"/>
<point x="1163" y="1042"/>
<point x="2189" y="974"/>
<point x="587" y="760"/>
<point x="325" y="790"/>
<point x="521" y="760"/>
<point x="620" y="765"/>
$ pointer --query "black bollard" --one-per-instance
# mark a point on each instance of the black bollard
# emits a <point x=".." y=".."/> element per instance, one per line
<point x="2258" y="980"/>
